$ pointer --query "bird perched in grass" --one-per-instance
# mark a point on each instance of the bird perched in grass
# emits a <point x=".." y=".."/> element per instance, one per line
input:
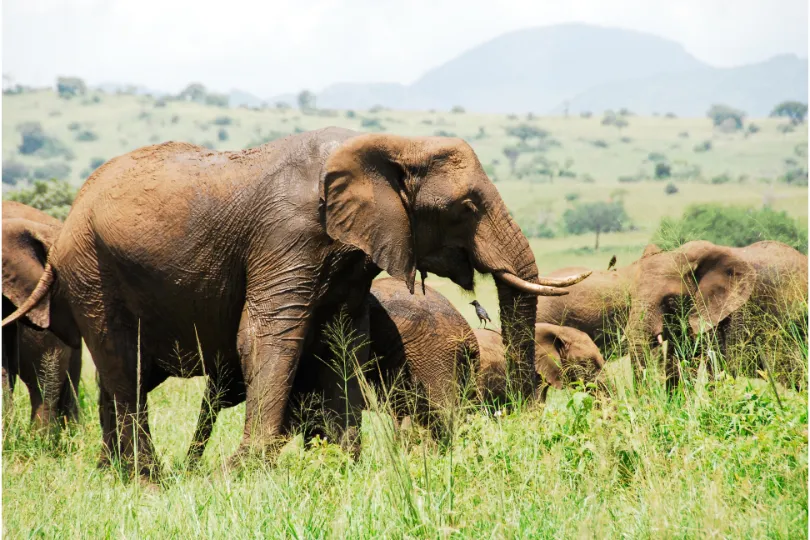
<point x="481" y="312"/>
<point x="612" y="262"/>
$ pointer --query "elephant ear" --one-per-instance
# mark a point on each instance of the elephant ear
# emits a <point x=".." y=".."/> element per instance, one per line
<point x="368" y="197"/>
<point x="551" y="351"/>
<point x="724" y="284"/>
<point x="650" y="250"/>
<point x="25" y="252"/>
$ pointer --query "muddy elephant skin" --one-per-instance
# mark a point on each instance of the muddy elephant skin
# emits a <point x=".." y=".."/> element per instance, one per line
<point x="174" y="248"/>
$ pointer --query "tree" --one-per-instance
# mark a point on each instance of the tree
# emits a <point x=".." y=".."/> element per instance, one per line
<point x="193" y="92"/>
<point x="795" y="110"/>
<point x="524" y="132"/>
<point x="662" y="170"/>
<point x="512" y="154"/>
<point x="595" y="217"/>
<point x="721" y="113"/>
<point x="67" y="87"/>
<point x="53" y="197"/>
<point x="306" y="101"/>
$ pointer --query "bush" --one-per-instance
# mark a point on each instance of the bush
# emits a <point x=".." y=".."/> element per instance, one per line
<point x="53" y="169"/>
<point x="572" y="196"/>
<point x="705" y="146"/>
<point x="721" y="114"/>
<point x="753" y="128"/>
<point x="795" y="110"/>
<point x="222" y="134"/>
<point x="74" y="126"/>
<point x="586" y="114"/>
<point x="796" y="176"/>
<point x="785" y="128"/>
<point x="670" y="115"/>
<point x="610" y="119"/>
<point x="96" y="162"/>
<point x="662" y="170"/>
<point x="671" y="189"/>
<point x="53" y="197"/>
<point x="525" y="132"/>
<point x="626" y="140"/>
<point x="629" y="179"/>
<point x="721" y="179"/>
<point x="13" y="172"/>
<point x="68" y="87"/>
<point x="599" y="143"/>
<point x="372" y="124"/>
<point x="655" y="157"/>
<point x="86" y="136"/>
<point x="36" y="142"/>
<point x="683" y="134"/>
<point x="734" y="226"/>
<point x="350" y="114"/>
<point x="222" y="121"/>
<point x="457" y="109"/>
<point x="443" y="133"/>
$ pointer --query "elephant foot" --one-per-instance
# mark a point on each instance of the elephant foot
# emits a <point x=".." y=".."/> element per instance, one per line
<point x="252" y="454"/>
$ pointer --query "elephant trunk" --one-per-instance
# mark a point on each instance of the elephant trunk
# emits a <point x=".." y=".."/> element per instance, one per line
<point x="645" y="328"/>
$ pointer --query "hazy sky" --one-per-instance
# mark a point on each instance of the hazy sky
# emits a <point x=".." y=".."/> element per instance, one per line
<point x="273" y="46"/>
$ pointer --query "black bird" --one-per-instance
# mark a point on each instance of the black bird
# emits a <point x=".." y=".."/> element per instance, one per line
<point x="481" y="312"/>
<point x="612" y="262"/>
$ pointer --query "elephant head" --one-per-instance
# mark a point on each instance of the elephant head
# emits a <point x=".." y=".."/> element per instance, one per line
<point x="426" y="204"/>
<point x="700" y="281"/>
<point x="565" y="355"/>
<point x="25" y="251"/>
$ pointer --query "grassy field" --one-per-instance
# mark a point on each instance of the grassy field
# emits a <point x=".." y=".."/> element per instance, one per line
<point x="717" y="459"/>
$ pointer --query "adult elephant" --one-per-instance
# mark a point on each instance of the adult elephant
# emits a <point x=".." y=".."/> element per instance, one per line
<point x="173" y="249"/>
<point x="563" y="355"/>
<point x="49" y="362"/>
<point x="743" y="294"/>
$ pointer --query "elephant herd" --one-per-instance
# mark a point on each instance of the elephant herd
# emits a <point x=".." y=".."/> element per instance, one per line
<point x="180" y="261"/>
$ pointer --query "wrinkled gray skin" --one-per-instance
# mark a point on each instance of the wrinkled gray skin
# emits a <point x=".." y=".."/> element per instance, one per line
<point x="564" y="355"/>
<point x="48" y="366"/>
<point x="174" y="248"/>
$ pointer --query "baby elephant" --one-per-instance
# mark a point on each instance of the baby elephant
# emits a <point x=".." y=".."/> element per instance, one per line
<point x="563" y="355"/>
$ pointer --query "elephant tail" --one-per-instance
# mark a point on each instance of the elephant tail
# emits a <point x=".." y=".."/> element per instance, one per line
<point x="41" y="290"/>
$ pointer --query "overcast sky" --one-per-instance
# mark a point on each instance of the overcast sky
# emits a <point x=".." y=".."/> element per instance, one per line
<point x="274" y="46"/>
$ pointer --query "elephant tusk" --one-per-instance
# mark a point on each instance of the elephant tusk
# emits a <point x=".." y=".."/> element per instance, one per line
<point x="563" y="282"/>
<point x="530" y="288"/>
<point x="660" y="339"/>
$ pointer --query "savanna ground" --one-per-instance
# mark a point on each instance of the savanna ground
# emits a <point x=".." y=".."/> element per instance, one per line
<point x="719" y="458"/>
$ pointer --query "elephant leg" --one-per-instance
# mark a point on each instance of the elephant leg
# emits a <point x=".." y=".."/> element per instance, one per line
<point x="269" y="350"/>
<point x="68" y="405"/>
<point x="341" y="385"/>
<point x="217" y="396"/>
<point x="11" y="362"/>
<point x="122" y="403"/>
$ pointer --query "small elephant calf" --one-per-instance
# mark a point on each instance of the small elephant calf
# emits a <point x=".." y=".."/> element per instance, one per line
<point x="563" y="355"/>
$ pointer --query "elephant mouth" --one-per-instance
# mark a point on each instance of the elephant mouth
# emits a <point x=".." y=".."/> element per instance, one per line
<point x="455" y="264"/>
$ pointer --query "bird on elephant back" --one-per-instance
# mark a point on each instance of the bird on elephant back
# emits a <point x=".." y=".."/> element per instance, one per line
<point x="740" y="302"/>
<point x="245" y="256"/>
<point x="49" y="362"/>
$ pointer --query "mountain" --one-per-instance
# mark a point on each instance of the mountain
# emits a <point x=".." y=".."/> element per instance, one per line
<point x="535" y="69"/>
<point x="754" y="88"/>
<point x="589" y="67"/>
<point x="240" y="98"/>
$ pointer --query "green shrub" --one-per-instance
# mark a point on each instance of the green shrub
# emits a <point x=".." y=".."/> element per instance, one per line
<point x="586" y="114"/>
<point x="53" y="169"/>
<point x="222" y="134"/>
<point x="86" y="136"/>
<point x="457" y="109"/>
<point x="74" y="126"/>
<point x="671" y="189"/>
<point x="350" y="114"/>
<point x="443" y="133"/>
<point x="572" y="196"/>
<point x="96" y="162"/>
<point x="734" y="226"/>
<point x="599" y="143"/>
<point x="13" y="172"/>
<point x="753" y="128"/>
<point x="662" y="170"/>
<point x="721" y="179"/>
<point x="53" y="197"/>
<point x="683" y="134"/>
<point x="372" y="124"/>
<point x="36" y="142"/>
<point x="655" y="157"/>
<point x="705" y="146"/>
<point x="796" y="176"/>
<point x="222" y="121"/>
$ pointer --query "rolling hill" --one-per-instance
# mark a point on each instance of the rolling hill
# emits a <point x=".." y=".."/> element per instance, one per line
<point x="589" y="67"/>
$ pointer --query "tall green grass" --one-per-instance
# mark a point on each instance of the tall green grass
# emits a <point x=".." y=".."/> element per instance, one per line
<point x="721" y="456"/>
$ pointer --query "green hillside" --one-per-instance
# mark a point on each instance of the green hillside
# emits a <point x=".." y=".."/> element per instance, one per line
<point x="568" y="161"/>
